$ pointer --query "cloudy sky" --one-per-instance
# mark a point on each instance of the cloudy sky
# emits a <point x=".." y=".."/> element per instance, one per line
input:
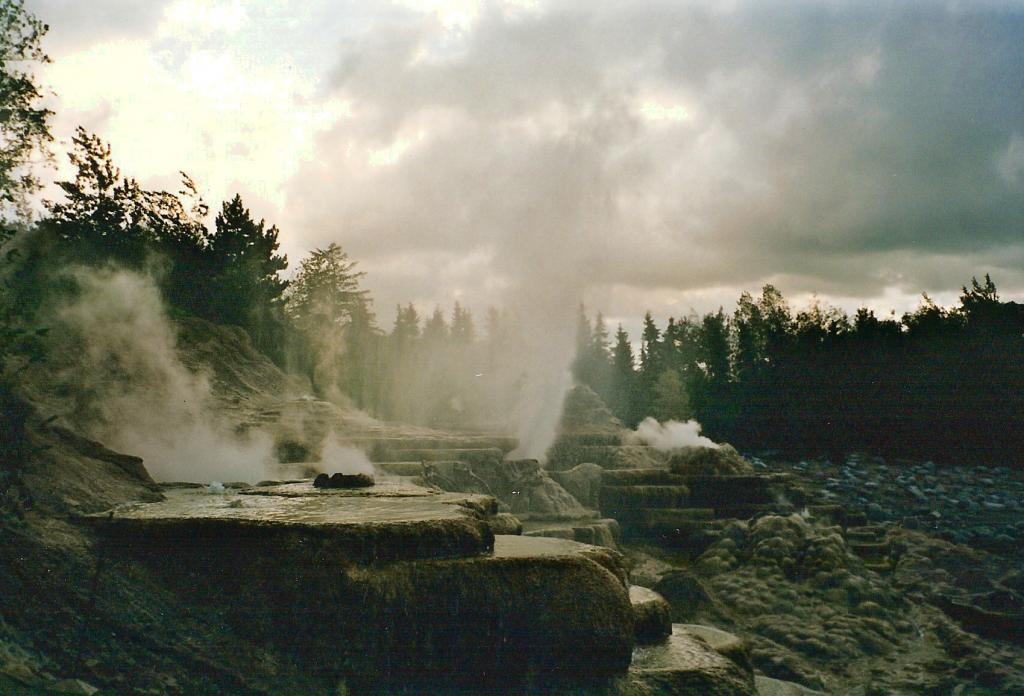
<point x="637" y="155"/>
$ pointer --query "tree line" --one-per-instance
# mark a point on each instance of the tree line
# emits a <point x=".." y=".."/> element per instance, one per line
<point x="940" y="383"/>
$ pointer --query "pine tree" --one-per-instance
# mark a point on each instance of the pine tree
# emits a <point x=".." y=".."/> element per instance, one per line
<point x="435" y="330"/>
<point x="714" y="347"/>
<point x="623" y="401"/>
<point x="325" y="290"/>
<point x="670" y="399"/>
<point x="245" y="266"/>
<point x="462" y="331"/>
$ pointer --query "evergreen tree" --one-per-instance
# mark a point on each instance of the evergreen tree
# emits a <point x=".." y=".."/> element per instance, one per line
<point x="747" y="323"/>
<point x="670" y="400"/>
<point x="325" y="290"/>
<point x="245" y="261"/>
<point x="651" y="365"/>
<point x="435" y="330"/>
<point x="714" y="347"/>
<point x="650" y="359"/>
<point x="462" y="330"/>
<point x="623" y="402"/>
<point x="361" y="368"/>
<point x="406" y="330"/>
<point x="321" y="302"/>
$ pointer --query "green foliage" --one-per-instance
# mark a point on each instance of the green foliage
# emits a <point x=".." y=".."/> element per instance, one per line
<point x="592" y="365"/>
<point x="24" y="137"/>
<point x="623" y="401"/>
<point x="105" y="217"/>
<point x="670" y="400"/>
<point x="325" y="290"/>
<point x="24" y="123"/>
<point x="245" y="268"/>
<point x="327" y="306"/>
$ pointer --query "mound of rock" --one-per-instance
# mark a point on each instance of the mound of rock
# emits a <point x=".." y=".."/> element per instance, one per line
<point x="723" y="460"/>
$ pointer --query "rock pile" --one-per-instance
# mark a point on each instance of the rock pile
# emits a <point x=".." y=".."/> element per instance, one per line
<point x="979" y="506"/>
<point x="339" y="480"/>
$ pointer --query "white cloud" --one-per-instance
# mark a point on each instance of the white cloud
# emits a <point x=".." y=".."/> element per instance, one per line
<point x="184" y="18"/>
<point x="227" y="119"/>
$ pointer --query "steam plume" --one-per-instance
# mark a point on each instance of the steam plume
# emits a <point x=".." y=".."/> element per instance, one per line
<point x="142" y="399"/>
<point x="671" y="434"/>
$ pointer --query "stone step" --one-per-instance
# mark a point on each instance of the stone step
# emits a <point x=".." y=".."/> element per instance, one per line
<point x="652" y="620"/>
<point x="641" y="477"/>
<point x="600" y="532"/>
<point x="747" y="511"/>
<point x="472" y="455"/>
<point x="385" y="522"/>
<point x="732" y="646"/>
<point x="691" y="530"/>
<point x="715" y="491"/>
<point x="562" y="457"/>
<point x="685" y="664"/>
<point x="505" y="523"/>
<point x="625" y="501"/>
<point x="394" y="444"/>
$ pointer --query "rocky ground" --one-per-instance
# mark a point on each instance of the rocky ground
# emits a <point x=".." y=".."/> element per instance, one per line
<point x="978" y="506"/>
<point x="913" y="585"/>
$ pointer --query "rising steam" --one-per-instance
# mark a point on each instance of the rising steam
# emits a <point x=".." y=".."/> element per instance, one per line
<point x="671" y="434"/>
<point x="142" y="399"/>
<point x="338" y="458"/>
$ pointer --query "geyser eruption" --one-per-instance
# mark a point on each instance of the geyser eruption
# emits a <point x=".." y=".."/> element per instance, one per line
<point x="546" y="379"/>
<point x="671" y="434"/>
<point x="138" y="397"/>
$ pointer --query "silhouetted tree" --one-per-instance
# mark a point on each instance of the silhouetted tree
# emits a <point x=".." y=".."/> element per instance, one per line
<point x="24" y="121"/>
<point x="248" y="289"/>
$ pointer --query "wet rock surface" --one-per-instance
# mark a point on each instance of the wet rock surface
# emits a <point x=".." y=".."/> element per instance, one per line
<point x="363" y="525"/>
<point x="651" y="614"/>
<point x="685" y="664"/>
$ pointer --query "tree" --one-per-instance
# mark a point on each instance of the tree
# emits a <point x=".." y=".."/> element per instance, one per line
<point x="462" y="331"/>
<point x="623" y="401"/>
<point x="325" y="290"/>
<point x="714" y="347"/>
<point x="649" y="353"/>
<point x="25" y="124"/>
<point x="361" y="369"/>
<point x="671" y="400"/>
<point x="321" y="302"/>
<point x="980" y="304"/>
<point x="406" y="330"/>
<point x="24" y="136"/>
<point x="244" y="264"/>
<point x="105" y="217"/>
<point x="435" y="329"/>
<point x="747" y="322"/>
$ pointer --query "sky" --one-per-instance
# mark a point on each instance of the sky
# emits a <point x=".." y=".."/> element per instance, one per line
<point x="660" y="156"/>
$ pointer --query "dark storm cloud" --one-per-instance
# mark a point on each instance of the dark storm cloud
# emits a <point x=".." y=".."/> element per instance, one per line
<point x="840" y="146"/>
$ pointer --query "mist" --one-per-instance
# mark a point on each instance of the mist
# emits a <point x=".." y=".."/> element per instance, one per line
<point x="671" y="435"/>
<point x="336" y="457"/>
<point x="138" y="397"/>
